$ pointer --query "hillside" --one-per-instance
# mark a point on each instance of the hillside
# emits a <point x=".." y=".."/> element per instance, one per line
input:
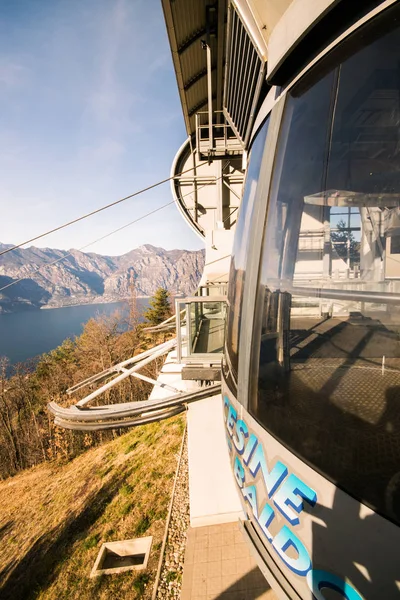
<point x="87" y="277"/>
<point x="55" y="518"/>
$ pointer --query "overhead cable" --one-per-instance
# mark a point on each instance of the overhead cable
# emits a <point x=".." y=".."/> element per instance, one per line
<point x="94" y="212"/>
<point x="57" y="260"/>
<point x="53" y="262"/>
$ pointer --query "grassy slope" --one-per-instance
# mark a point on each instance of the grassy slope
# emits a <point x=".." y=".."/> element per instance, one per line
<point x="53" y="519"/>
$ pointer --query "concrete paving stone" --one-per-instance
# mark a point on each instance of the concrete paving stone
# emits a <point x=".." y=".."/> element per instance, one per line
<point x="189" y="554"/>
<point x="263" y="594"/>
<point x="224" y="527"/>
<point x="199" y="586"/>
<point x="200" y="555"/>
<point x="241" y="583"/>
<point x="214" y="553"/>
<point x="241" y="550"/>
<point x="244" y="565"/>
<point x="215" y="539"/>
<point x="203" y="542"/>
<point x="199" y="570"/>
<point x="215" y="529"/>
<point x="257" y="579"/>
<point x="186" y="584"/>
<point x="228" y="537"/>
<point x="188" y="572"/>
<point x="214" y="569"/>
<point x="229" y="580"/>
<point x="214" y="585"/>
<point x="228" y="551"/>
<point x="228" y="566"/>
<point x="235" y="596"/>
<point x="200" y="531"/>
<point x="220" y="566"/>
<point x="238" y="536"/>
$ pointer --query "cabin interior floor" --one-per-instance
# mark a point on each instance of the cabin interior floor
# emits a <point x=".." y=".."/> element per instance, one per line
<point x="218" y="566"/>
<point x="335" y="403"/>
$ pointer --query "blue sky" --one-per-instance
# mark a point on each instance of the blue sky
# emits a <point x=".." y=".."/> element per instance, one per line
<point x="89" y="113"/>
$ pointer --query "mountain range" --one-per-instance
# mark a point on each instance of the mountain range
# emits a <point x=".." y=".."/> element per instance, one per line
<point x="81" y="278"/>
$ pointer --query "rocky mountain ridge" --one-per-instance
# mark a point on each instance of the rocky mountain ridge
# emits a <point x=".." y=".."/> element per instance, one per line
<point x="82" y="278"/>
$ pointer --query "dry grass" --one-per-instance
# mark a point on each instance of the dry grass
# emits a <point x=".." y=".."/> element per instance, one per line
<point x="53" y="519"/>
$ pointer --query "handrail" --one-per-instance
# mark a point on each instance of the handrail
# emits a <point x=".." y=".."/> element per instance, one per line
<point x="161" y="326"/>
<point x="127" y="414"/>
<point x="202" y="299"/>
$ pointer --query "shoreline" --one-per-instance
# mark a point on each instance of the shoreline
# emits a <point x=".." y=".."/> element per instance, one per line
<point x="28" y="334"/>
<point x="45" y="307"/>
<point x="29" y="308"/>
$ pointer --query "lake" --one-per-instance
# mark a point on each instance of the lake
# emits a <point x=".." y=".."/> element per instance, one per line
<point x="24" y="335"/>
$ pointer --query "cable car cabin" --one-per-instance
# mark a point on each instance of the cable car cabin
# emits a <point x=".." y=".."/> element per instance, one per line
<point x="311" y="373"/>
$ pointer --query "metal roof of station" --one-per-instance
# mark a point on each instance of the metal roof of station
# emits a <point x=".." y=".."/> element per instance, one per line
<point x="189" y="22"/>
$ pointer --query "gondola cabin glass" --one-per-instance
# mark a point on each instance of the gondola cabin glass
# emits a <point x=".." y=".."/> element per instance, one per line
<point x="239" y="257"/>
<point x="328" y="348"/>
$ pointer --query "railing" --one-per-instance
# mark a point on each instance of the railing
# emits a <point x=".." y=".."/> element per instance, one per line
<point x="122" y="370"/>
<point x="195" y="317"/>
<point x="201" y="329"/>
<point x="167" y="325"/>
<point x="212" y="289"/>
<point x="224" y="141"/>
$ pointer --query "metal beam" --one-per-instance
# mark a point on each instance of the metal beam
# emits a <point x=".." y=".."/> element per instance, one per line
<point x="153" y="381"/>
<point x="193" y="38"/>
<point x="117" y="368"/>
<point x="196" y="78"/>
<point x="127" y="414"/>
<point x="168" y="346"/>
<point x="199" y="105"/>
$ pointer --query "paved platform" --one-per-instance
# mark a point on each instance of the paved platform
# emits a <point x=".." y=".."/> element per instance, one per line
<point x="218" y="566"/>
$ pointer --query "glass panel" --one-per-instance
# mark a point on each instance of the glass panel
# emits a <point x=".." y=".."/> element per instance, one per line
<point x="239" y="255"/>
<point x="207" y="320"/>
<point x="194" y="323"/>
<point x="329" y="294"/>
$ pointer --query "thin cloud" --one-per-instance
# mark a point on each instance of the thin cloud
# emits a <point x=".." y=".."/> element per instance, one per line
<point x="12" y="74"/>
<point x="99" y="117"/>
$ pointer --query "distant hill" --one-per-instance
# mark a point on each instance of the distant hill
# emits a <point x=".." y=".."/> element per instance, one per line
<point x="83" y="278"/>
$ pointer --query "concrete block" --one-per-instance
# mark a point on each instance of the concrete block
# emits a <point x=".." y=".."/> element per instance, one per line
<point x="201" y="373"/>
<point x="118" y="557"/>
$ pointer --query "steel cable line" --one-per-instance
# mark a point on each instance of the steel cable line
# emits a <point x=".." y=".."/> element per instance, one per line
<point x="94" y="212"/>
<point x="57" y="260"/>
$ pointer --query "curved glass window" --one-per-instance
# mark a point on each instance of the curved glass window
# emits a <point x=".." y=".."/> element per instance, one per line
<point x="328" y="306"/>
<point x="239" y="256"/>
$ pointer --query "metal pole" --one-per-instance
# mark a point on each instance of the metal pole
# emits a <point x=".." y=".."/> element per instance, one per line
<point x="154" y="382"/>
<point x="209" y="87"/>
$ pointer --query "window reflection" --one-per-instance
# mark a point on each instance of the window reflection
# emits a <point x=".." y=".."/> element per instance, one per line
<point x="329" y="293"/>
<point x="239" y="256"/>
